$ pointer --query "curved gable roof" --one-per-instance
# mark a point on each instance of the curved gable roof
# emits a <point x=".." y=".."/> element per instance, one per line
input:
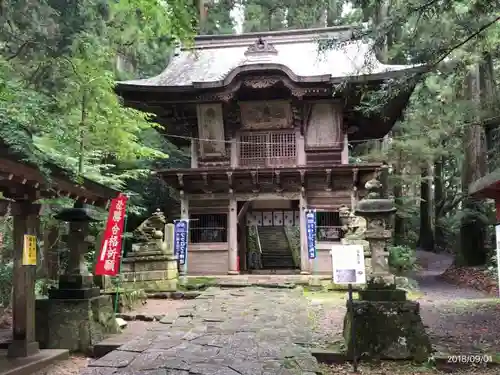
<point x="215" y="60"/>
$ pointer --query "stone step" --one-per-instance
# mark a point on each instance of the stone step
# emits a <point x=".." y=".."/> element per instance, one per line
<point x="281" y="263"/>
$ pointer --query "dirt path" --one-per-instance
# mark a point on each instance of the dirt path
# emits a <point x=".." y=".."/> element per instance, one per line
<point x="435" y="289"/>
<point x="460" y="320"/>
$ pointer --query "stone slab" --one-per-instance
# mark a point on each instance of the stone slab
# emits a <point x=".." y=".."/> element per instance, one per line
<point x="243" y="331"/>
<point x="29" y="365"/>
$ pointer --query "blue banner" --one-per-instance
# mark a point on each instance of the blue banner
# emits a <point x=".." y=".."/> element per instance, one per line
<point x="181" y="240"/>
<point x="311" y="233"/>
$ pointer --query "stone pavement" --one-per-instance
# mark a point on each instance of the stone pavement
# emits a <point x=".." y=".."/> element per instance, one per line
<point x="244" y="331"/>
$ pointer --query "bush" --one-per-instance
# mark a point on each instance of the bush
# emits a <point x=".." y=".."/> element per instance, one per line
<point x="402" y="259"/>
<point x="6" y="270"/>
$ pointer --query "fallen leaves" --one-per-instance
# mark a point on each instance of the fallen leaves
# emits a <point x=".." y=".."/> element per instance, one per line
<point x="473" y="277"/>
<point x="401" y="368"/>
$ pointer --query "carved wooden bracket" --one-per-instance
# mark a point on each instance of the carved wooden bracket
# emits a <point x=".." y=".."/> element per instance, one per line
<point x="230" y="179"/>
<point x="302" y="178"/>
<point x="279" y="187"/>
<point x="206" y="183"/>
<point x="355" y="178"/>
<point x="180" y="179"/>
<point x="328" y="179"/>
<point x="255" y="182"/>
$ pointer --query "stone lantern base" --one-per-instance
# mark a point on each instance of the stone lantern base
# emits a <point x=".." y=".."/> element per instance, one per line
<point x="74" y="324"/>
<point x="390" y="329"/>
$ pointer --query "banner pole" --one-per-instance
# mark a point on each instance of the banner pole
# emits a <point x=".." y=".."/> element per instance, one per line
<point x="121" y="259"/>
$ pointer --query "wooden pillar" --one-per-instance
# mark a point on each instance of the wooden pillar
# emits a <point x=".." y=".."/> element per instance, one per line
<point x="345" y="150"/>
<point x="23" y="307"/>
<point x="304" y="258"/>
<point x="497" y="205"/>
<point x="234" y="152"/>
<point x="194" y="153"/>
<point x="300" y="147"/>
<point x="232" y="236"/>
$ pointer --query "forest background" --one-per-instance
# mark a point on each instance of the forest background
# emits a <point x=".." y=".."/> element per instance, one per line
<point x="59" y="60"/>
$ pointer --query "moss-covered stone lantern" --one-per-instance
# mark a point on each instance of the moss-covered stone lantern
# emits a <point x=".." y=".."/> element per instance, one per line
<point x="378" y="211"/>
<point x="386" y="325"/>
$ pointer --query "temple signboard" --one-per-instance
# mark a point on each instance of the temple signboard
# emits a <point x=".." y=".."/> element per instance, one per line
<point x="256" y="115"/>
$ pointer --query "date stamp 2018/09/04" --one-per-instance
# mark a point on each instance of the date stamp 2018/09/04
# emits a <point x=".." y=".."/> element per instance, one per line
<point x="470" y="359"/>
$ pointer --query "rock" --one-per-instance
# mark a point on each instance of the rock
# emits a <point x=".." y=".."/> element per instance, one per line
<point x="167" y="320"/>
<point x="159" y="295"/>
<point x="197" y="286"/>
<point x="121" y="323"/>
<point x="177" y="295"/>
<point x="145" y="317"/>
<point x="126" y="317"/>
<point x="191" y="295"/>
<point x="159" y="317"/>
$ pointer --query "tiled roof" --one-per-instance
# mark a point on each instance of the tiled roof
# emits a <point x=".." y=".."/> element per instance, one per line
<point x="214" y="60"/>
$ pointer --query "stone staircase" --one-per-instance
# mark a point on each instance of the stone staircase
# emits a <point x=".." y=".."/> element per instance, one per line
<point x="276" y="253"/>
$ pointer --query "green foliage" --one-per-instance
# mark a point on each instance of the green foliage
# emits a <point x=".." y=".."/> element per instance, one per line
<point x="402" y="259"/>
<point x="6" y="273"/>
<point x="58" y="66"/>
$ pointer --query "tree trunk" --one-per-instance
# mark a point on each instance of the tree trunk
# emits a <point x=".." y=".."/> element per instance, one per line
<point x="472" y="231"/>
<point x="426" y="236"/>
<point x="439" y="239"/>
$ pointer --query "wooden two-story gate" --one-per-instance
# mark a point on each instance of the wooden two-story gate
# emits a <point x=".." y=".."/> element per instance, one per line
<point x="269" y="121"/>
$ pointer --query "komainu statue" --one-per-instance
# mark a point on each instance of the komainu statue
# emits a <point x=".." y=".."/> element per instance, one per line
<point x="151" y="229"/>
<point x="353" y="227"/>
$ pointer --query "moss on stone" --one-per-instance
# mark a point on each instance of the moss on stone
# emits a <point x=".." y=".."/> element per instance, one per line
<point x="387" y="330"/>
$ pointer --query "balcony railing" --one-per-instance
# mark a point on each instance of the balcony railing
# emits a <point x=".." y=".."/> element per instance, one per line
<point x="267" y="149"/>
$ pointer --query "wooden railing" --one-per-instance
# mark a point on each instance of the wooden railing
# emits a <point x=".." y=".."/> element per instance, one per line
<point x="267" y="149"/>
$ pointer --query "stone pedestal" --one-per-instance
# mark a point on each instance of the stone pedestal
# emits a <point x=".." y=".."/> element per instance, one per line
<point x="149" y="270"/>
<point x="387" y="330"/>
<point x="74" y="324"/>
<point x="152" y="265"/>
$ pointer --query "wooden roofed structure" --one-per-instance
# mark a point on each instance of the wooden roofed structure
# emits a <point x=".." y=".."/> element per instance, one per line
<point x="21" y="185"/>
<point x="269" y="117"/>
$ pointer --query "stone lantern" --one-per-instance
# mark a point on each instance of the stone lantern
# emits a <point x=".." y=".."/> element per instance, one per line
<point x="77" y="282"/>
<point x="378" y="211"/>
<point x="75" y="316"/>
<point x="383" y="324"/>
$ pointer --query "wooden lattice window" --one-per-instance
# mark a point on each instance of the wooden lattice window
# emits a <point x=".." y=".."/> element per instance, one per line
<point x="270" y="149"/>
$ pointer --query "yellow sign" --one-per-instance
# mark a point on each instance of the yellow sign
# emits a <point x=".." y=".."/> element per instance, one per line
<point x="29" y="250"/>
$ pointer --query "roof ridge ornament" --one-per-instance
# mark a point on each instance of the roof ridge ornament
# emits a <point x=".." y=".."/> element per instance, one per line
<point x="261" y="46"/>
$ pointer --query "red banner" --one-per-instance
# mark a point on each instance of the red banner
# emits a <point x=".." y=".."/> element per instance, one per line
<point x="108" y="262"/>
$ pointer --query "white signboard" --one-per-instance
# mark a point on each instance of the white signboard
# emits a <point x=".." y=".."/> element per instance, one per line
<point x="497" y="233"/>
<point x="348" y="264"/>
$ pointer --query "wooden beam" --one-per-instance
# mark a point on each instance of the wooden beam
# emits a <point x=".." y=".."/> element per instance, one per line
<point x="246" y="196"/>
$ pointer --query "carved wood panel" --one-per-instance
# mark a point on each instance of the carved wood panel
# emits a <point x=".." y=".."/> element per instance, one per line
<point x="259" y="115"/>
<point x="324" y="128"/>
<point x="211" y="130"/>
